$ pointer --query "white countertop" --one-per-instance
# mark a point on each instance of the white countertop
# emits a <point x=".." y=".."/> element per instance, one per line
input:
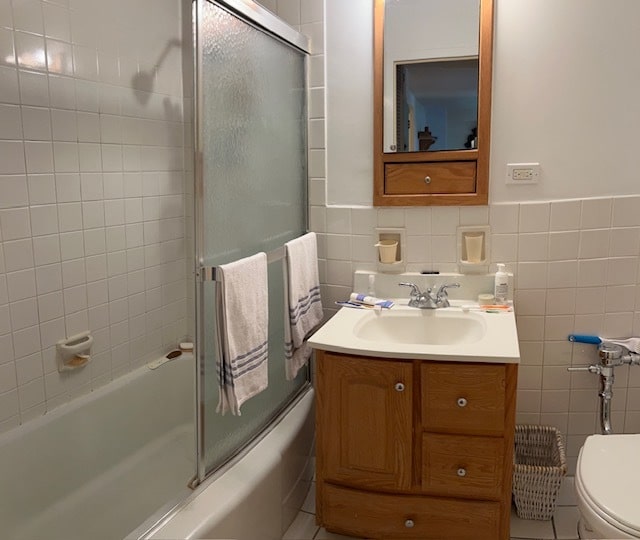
<point x="498" y="343"/>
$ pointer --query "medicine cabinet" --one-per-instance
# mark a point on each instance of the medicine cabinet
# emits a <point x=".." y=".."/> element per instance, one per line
<point x="432" y="101"/>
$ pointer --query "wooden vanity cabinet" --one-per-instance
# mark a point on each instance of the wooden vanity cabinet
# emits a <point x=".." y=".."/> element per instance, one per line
<point x="414" y="448"/>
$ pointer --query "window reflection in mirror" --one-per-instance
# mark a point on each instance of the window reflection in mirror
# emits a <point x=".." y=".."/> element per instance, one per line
<point x="430" y="75"/>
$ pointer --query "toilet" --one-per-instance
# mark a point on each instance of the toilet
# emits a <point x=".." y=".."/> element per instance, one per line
<point x="607" y="487"/>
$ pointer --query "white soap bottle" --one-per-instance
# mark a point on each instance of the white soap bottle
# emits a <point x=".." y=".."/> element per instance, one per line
<point x="501" y="285"/>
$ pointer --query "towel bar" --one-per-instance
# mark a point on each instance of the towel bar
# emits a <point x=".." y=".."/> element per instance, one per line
<point x="209" y="273"/>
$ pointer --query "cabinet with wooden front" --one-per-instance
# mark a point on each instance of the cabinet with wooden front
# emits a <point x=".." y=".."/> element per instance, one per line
<point x="414" y="448"/>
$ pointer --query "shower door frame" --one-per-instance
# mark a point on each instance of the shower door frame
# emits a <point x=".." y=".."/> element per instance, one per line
<point x="264" y="21"/>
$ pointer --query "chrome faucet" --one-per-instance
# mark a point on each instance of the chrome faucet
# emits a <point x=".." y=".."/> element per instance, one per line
<point x="427" y="299"/>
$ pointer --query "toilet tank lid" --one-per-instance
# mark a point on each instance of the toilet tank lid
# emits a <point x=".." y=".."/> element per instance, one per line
<point x="609" y="469"/>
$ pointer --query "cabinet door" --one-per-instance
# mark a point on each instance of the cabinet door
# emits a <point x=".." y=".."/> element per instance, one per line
<point x="365" y="421"/>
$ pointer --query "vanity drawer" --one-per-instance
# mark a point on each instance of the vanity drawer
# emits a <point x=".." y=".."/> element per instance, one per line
<point x="379" y="515"/>
<point x="463" y="397"/>
<point x="464" y="465"/>
<point x="444" y="177"/>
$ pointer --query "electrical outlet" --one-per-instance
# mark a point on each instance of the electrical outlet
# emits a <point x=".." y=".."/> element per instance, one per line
<point x="523" y="173"/>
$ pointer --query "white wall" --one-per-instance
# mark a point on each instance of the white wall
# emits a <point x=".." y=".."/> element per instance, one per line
<point x="564" y="95"/>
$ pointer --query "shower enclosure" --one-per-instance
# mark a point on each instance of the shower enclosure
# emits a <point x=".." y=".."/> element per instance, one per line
<point x="251" y="179"/>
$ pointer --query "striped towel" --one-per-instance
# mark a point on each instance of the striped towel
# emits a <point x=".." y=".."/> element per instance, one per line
<point x="243" y="319"/>
<point x="303" y="305"/>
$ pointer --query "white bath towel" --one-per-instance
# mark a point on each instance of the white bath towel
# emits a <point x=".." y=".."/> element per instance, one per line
<point x="243" y="317"/>
<point x="303" y="305"/>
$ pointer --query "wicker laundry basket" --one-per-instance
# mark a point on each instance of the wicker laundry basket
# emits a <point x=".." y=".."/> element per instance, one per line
<point x="539" y="465"/>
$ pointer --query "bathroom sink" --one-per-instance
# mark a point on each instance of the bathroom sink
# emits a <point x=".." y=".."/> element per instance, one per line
<point x="422" y="327"/>
<point x="449" y="334"/>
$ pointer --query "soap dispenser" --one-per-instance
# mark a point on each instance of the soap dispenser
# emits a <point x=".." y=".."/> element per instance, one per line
<point x="501" y="285"/>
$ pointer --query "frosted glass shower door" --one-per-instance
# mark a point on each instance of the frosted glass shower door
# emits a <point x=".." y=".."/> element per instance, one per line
<point x="251" y="174"/>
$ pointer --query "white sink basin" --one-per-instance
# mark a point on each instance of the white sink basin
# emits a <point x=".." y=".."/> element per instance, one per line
<point x="422" y="327"/>
<point x="404" y="332"/>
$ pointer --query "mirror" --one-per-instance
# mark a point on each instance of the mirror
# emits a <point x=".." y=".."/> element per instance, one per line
<point x="432" y="89"/>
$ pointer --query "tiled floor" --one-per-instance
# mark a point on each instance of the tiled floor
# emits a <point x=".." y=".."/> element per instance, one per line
<point x="563" y="526"/>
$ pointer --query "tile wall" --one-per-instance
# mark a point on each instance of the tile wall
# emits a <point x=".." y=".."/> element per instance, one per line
<point x="95" y="167"/>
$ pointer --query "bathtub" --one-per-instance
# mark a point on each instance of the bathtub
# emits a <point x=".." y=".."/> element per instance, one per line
<point x="98" y="466"/>
<point x="259" y="494"/>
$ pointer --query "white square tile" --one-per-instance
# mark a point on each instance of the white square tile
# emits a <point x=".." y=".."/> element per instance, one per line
<point x="338" y="220"/>
<point x="625" y="241"/>
<point x="474" y="215"/>
<point x="13" y="191"/>
<point x="135" y="235"/>
<point x="558" y="327"/>
<point x="30" y="51"/>
<point x="564" y="245"/>
<point x="27" y="16"/>
<point x="29" y="368"/>
<point x="85" y="62"/>
<point x="18" y="255"/>
<point x="114" y="212"/>
<point x="67" y="187"/>
<point x="21" y="285"/>
<point x="444" y="220"/>
<point x="65" y="155"/>
<point x="10" y="122"/>
<point x="71" y="245"/>
<point x="590" y="300"/>
<point x="530" y="378"/>
<point x="622" y="270"/>
<point x="41" y="189"/>
<point x="34" y="88"/>
<point x="15" y="223"/>
<point x="87" y="96"/>
<point x="113" y="185"/>
<point x="50" y="306"/>
<point x="533" y="246"/>
<point x="24" y="314"/>
<point x="625" y="211"/>
<point x="596" y="213"/>
<point x="93" y="214"/>
<point x="530" y="301"/>
<point x="49" y="278"/>
<point x="504" y="247"/>
<point x="97" y="297"/>
<point x="44" y="219"/>
<point x="116" y="263"/>
<point x="592" y="272"/>
<point x="64" y="125"/>
<point x="73" y="273"/>
<point x="534" y="217"/>
<point x="443" y="248"/>
<point x="363" y="220"/>
<point x="75" y="299"/>
<point x="530" y="328"/>
<point x="36" y="123"/>
<point x="62" y="92"/>
<point x="503" y="218"/>
<point x="60" y="59"/>
<point x="26" y="341"/>
<point x="46" y="249"/>
<point x="594" y="243"/>
<point x="132" y="182"/>
<point x="51" y="331"/>
<point x="94" y="242"/>
<point x="12" y="157"/>
<point x="7" y="50"/>
<point x="111" y="157"/>
<point x="9" y="85"/>
<point x="5" y="320"/>
<point x="70" y="216"/>
<point x="133" y="211"/>
<point x="39" y="157"/>
<point x="531" y="275"/>
<point x="565" y="215"/>
<point x="56" y="22"/>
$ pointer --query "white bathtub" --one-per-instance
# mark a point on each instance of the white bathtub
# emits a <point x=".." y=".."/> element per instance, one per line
<point x="258" y="496"/>
<point x="99" y="466"/>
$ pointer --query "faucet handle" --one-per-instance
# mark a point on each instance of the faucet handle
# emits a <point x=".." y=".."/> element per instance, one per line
<point x="415" y="290"/>
<point x="442" y="297"/>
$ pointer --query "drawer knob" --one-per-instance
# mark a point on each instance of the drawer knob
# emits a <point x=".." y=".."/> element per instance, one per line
<point x="427" y="179"/>
<point x="399" y="387"/>
<point x="462" y="472"/>
<point x="409" y="524"/>
<point x="462" y="402"/>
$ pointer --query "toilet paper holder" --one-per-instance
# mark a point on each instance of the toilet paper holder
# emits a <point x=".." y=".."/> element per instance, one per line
<point x="74" y="352"/>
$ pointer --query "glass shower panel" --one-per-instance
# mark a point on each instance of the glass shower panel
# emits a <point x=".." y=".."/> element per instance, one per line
<point x="252" y="142"/>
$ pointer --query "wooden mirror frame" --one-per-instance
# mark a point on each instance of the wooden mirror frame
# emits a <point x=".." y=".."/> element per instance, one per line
<point x="479" y="156"/>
